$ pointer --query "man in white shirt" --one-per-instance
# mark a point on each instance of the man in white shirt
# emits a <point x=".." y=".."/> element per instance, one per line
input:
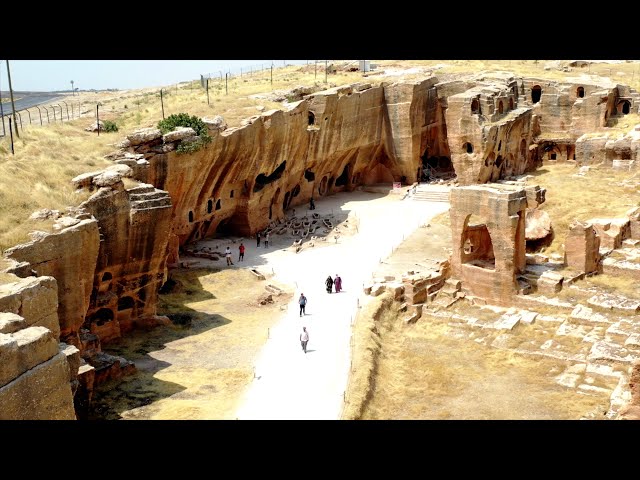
<point x="227" y="253"/>
<point x="304" y="338"/>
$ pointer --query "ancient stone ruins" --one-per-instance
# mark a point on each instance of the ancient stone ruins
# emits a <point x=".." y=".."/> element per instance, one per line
<point x="97" y="275"/>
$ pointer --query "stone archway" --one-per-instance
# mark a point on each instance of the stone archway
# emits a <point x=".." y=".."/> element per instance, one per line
<point x="536" y="93"/>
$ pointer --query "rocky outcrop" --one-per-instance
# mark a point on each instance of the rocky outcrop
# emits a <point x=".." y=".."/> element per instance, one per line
<point x="489" y="221"/>
<point x="37" y="374"/>
<point x="69" y="255"/>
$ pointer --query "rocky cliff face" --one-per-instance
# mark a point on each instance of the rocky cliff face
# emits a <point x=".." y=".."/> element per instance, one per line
<point x="106" y="259"/>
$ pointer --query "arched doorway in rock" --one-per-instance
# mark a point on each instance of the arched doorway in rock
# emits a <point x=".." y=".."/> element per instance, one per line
<point x="311" y="118"/>
<point x="625" y="107"/>
<point x="580" y="92"/>
<point x="536" y="93"/>
<point x="510" y="103"/>
<point x="322" y="188"/>
<point x="102" y="316"/>
<point x="467" y="147"/>
<point x="500" y="107"/>
<point x="475" y="106"/>
<point x="476" y="244"/>
<point x="343" y="179"/>
<point x="437" y="168"/>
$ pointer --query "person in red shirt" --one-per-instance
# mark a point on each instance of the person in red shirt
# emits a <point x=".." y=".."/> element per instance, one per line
<point x="241" y="248"/>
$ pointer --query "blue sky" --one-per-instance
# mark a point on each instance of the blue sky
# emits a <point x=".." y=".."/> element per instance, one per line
<point x="49" y="75"/>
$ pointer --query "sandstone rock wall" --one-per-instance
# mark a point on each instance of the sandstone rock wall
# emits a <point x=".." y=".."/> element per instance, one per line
<point x="36" y="372"/>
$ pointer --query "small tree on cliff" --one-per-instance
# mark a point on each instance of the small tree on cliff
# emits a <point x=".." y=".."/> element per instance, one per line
<point x="186" y="120"/>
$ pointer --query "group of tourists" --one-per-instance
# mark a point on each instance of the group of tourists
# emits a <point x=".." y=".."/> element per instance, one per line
<point x="330" y="283"/>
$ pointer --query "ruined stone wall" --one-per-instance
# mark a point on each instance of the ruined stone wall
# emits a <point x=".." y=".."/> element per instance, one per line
<point x="37" y="374"/>
<point x="483" y="150"/>
<point x="489" y="271"/>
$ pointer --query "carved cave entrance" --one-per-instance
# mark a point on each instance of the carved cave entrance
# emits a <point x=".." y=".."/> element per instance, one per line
<point x="436" y="168"/>
<point x="477" y="247"/>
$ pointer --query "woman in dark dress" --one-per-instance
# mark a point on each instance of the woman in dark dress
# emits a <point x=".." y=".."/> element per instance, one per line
<point x="329" y="283"/>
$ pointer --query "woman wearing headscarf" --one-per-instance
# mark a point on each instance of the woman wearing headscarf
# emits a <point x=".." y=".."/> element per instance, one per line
<point x="329" y="283"/>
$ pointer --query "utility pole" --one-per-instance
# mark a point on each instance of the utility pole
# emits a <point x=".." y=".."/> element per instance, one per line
<point x="11" y="133"/>
<point x="326" y="69"/>
<point x="226" y="83"/>
<point x="162" y="104"/>
<point x="97" y="117"/>
<point x="315" y="70"/>
<point x="72" y="92"/>
<point x="272" y="74"/>
<point x="207" y="83"/>
<point x="13" y="105"/>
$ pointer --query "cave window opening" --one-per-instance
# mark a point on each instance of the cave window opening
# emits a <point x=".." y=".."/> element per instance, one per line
<point x="500" y="107"/>
<point x="106" y="276"/>
<point x="125" y="303"/>
<point x="312" y="118"/>
<point x="263" y="180"/>
<point x="580" y="92"/>
<point x="475" y="106"/>
<point x="190" y="216"/>
<point x="552" y="156"/>
<point x="231" y="194"/>
<point x="296" y="191"/>
<point x="468" y="147"/>
<point x="510" y="103"/>
<point x="209" y="206"/>
<point x="536" y="93"/>
<point x="499" y="145"/>
<point x="103" y="316"/>
<point x="218" y="205"/>
<point x="309" y="176"/>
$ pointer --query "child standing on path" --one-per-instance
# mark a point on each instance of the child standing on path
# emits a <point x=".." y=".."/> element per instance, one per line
<point x="302" y="301"/>
<point x="266" y="240"/>
<point x="258" y="238"/>
<point x="304" y="339"/>
<point x="241" y="256"/>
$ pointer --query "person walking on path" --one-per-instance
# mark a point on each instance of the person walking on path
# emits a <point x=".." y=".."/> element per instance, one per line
<point x="227" y="253"/>
<point x="258" y="238"/>
<point x="302" y="301"/>
<point x="241" y="256"/>
<point x="338" y="283"/>
<point x="329" y="283"/>
<point x="304" y="339"/>
<point x="266" y="240"/>
<point x="312" y="204"/>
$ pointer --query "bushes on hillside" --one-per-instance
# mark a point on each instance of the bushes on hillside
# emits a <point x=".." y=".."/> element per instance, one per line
<point x="186" y="120"/>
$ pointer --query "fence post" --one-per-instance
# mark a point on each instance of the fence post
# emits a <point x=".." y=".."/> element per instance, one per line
<point x="11" y="133"/>
<point x="226" y="83"/>
<point x="162" y="104"/>
<point x="29" y="113"/>
<point x="20" y="118"/>
<point x="97" y="117"/>
<point x="54" y="114"/>
<point x="39" y="113"/>
<point x="67" y="107"/>
<point x="47" y="110"/>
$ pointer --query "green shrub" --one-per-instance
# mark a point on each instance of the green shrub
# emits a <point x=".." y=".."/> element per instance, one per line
<point x="109" y="126"/>
<point x="185" y="120"/>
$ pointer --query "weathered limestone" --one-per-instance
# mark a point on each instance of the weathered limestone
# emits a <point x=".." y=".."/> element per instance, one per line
<point x="34" y="377"/>
<point x="70" y="256"/>
<point x="487" y="256"/>
<point x="582" y="248"/>
<point x="35" y="300"/>
<point x="612" y="231"/>
<point x="130" y="265"/>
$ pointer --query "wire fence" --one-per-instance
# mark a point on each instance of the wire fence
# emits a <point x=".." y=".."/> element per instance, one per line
<point x="59" y="112"/>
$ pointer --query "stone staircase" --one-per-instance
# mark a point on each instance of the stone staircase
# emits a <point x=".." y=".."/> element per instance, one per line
<point x="146" y="197"/>
<point x="431" y="193"/>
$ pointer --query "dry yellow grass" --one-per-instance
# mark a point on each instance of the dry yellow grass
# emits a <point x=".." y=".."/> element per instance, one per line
<point x="598" y="194"/>
<point x="201" y="369"/>
<point x="48" y="157"/>
<point x="427" y="373"/>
